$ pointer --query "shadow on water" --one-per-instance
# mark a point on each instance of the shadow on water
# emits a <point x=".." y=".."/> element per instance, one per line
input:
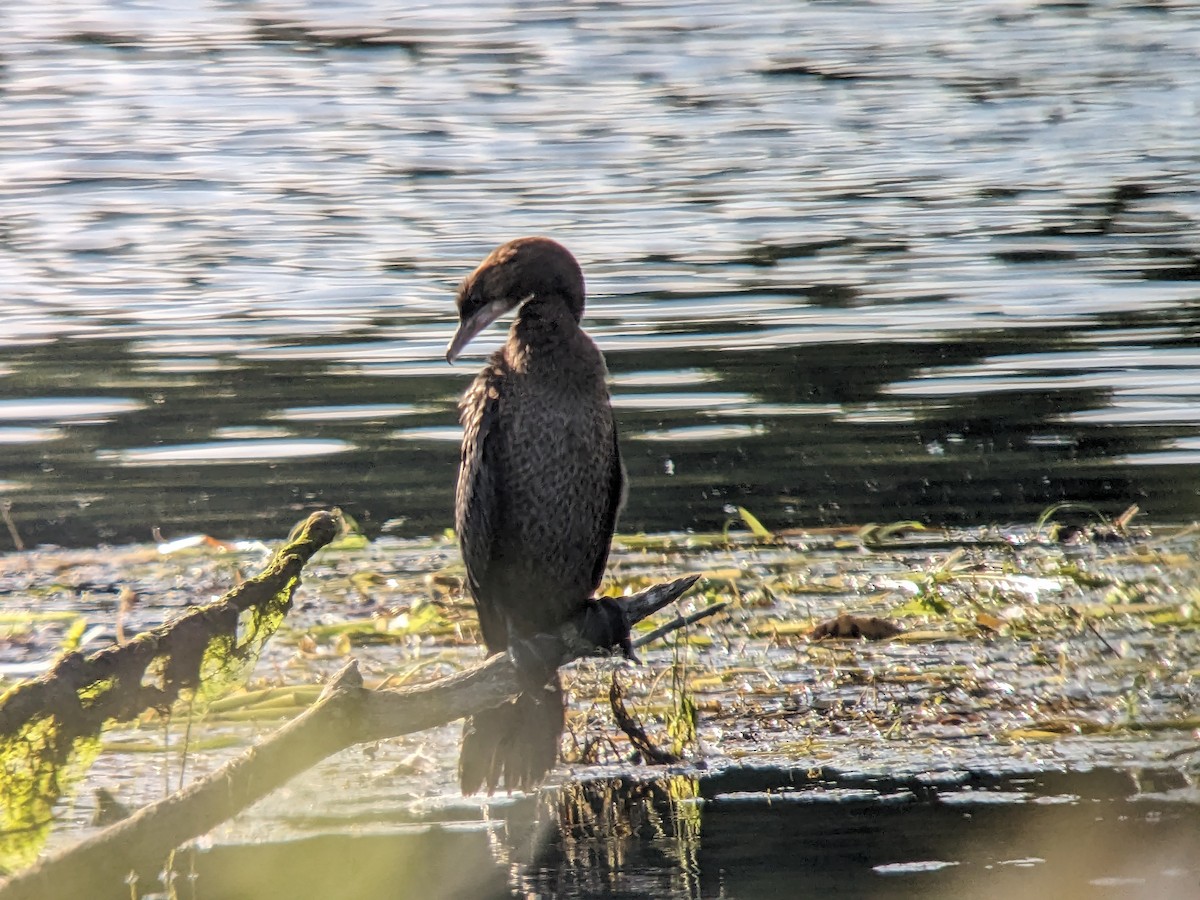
<point x="773" y="833"/>
<point x="762" y="833"/>
<point x="825" y="434"/>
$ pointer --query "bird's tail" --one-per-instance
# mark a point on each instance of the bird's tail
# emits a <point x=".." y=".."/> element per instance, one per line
<point x="515" y="744"/>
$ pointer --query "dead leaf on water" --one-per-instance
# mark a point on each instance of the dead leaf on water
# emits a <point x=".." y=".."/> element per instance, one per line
<point x="871" y="628"/>
<point x="988" y="622"/>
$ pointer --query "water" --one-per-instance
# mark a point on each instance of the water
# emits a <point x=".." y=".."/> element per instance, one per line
<point x="849" y="261"/>
<point x="1062" y="834"/>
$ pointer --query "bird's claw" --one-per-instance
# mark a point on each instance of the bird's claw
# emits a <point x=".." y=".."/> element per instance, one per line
<point x="617" y="623"/>
<point x="603" y="623"/>
<point x="537" y="658"/>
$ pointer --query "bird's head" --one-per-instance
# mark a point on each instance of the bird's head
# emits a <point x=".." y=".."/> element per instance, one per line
<point x="511" y="274"/>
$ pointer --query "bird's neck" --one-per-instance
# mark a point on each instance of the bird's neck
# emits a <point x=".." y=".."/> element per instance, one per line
<point x="544" y="333"/>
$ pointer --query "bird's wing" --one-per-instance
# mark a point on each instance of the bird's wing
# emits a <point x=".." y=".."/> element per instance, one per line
<point x="478" y="498"/>
<point x="616" y="500"/>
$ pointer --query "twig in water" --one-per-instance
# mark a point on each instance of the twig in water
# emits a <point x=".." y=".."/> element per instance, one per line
<point x="679" y="622"/>
<point x="633" y="729"/>
<point x="616" y="695"/>
<point x="1092" y="628"/>
<point x="6" y="512"/>
<point x="1072" y="612"/>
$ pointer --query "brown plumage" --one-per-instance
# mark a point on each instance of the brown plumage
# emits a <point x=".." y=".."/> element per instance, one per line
<point x="538" y="491"/>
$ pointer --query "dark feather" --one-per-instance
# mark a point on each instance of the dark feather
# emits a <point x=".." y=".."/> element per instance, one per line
<point x="616" y="501"/>
<point x="477" y="500"/>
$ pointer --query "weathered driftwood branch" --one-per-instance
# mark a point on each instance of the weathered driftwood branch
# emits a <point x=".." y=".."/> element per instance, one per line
<point x="346" y="714"/>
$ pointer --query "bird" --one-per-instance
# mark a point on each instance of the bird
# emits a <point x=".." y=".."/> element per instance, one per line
<point x="540" y="486"/>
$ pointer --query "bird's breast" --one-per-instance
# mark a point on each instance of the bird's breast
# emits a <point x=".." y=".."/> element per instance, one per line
<point x="557" y="458"/>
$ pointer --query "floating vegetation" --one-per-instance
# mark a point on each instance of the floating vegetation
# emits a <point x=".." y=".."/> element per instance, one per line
<point x="846" y="626"/>
<point x="760" y="531"/>
<point x="1017" y="649"/>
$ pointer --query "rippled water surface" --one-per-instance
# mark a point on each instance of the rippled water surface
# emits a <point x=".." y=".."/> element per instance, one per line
<point x="1071" y="835"/>
<point x="848" y="261"/>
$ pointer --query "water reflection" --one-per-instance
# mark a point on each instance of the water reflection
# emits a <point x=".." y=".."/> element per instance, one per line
<point x="767" y="832"/>
<point x="612" y="838"/>
<point x="66" y="409"/>
<point x="372" y="411"/>
<point x="946" y="275"/>
<point x="751" y="832"/>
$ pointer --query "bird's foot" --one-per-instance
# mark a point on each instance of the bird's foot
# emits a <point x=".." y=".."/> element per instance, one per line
<point x="608" y="625"/>
<point x="537" y="658"/>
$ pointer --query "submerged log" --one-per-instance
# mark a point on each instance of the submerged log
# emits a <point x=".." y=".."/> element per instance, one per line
<point x="346" y="714"/>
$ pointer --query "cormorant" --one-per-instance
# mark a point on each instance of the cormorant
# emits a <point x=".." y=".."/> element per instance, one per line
<point x="539" y="487"/>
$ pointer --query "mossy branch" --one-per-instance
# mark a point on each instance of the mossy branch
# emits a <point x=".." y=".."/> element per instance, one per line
<point x="346" y="714"/>
<point x="180" y="643"/>
<point x="50" y="727"/>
